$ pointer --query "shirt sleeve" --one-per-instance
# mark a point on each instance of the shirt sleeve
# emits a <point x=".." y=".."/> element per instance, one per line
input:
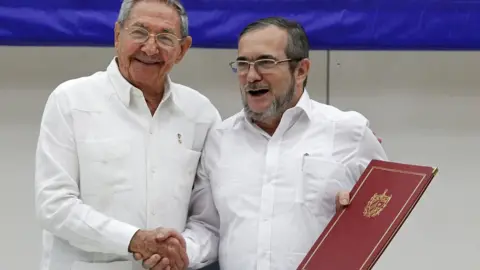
<point x="357" y="146"/>
<point x="58" y="206"/>
<point x="201" y="233"/>
<point x="368" y="148"/>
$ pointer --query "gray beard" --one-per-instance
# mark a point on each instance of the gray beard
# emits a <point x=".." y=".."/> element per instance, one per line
<point x="277" y="108"/>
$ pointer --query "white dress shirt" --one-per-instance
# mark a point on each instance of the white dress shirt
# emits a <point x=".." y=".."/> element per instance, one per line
<point x="275" y="194"/>
<point x="106" y="168"/>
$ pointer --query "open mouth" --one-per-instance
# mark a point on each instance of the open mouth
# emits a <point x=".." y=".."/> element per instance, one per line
<point x="258" y="92"/>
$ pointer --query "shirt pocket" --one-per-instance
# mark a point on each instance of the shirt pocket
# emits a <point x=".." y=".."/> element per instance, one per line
<point x="185" y="168"/>
<point x="104" y="166"/>
<point x="321" y="180"/>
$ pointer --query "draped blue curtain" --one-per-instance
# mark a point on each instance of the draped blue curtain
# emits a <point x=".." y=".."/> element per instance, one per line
<point x="330" y="24"/>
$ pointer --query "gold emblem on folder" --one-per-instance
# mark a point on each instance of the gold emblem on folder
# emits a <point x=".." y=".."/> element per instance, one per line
<point x="376" y="204"/>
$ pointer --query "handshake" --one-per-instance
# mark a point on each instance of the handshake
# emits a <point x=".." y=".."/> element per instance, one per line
<point x="160" y="249"/>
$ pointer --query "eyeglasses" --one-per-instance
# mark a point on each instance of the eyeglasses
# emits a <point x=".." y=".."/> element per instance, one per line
<point x="260" y="65"/>
<point x="141" y="35"/>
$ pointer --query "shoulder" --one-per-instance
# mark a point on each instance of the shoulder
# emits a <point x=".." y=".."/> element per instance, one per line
<point x="221" y="128"/>
<point x="195" y="105"/>
<point x="343" y="121"/>
<point x="229" y="124"/>
<point x="348" y="127"/>
<point x="81" y="91"/>
<point x="221" y="135"/>
<point x="81" y="85"/>
<point x="337" y="115"/>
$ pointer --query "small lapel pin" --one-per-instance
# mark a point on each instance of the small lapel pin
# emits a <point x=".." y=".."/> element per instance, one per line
<point x="179" y="136"/>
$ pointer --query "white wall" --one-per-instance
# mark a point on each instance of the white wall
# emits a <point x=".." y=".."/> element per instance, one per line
<point x="424" y="105"/>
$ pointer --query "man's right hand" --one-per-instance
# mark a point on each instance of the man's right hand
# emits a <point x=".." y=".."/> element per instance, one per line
<point x="160" y="246"/>
<point x="156" y="262"/>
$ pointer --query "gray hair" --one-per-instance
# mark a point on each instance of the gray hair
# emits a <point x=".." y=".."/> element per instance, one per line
<point x="297" y="46"/>
<point x="127" y="6"/>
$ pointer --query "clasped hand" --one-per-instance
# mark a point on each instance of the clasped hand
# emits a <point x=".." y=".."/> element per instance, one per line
<point x="166" y="249"/>
<point x="160" y="249"/>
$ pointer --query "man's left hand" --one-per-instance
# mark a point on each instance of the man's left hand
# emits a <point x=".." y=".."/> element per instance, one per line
<point x="173" y="255"/>
<point x="342" y="200"/>
<point x="156" y="262"/>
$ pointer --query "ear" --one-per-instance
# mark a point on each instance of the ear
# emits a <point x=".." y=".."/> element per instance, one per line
<point x="184" y="46"/>
<point x="302" y="70"/>
<point x="117" y="34"/>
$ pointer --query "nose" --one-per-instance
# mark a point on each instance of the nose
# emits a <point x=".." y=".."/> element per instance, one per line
<point x="150" y="46"/>
<point x="252" y="74"/>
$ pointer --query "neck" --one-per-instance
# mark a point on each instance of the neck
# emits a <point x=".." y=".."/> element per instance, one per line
<point x="269" y="125"/>
<point x="152" y="91"/>
<point x="153" y="97"/>
<point x="153" y="94"/>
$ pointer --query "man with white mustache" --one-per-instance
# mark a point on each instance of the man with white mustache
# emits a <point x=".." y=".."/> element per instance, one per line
<point x="280" y="168"/>
<point x="118" y="151"/>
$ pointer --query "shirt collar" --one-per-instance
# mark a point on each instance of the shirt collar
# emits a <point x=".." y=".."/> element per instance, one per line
<point x="305" y="104"/>
<point x="125" y="90"/>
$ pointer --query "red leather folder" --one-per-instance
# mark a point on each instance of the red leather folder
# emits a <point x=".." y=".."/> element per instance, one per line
<point x="381" y="201"/>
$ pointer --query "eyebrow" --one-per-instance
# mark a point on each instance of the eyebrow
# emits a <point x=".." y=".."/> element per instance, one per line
<point x="139" y="24"/>
<point x="164" y="30"/>
<point x="168" y="31"/>
<point x="263" y="56"/>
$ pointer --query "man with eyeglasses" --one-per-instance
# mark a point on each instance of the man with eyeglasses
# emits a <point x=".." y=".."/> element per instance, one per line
<point x="280" y="168"/>
<point x="118" y="152"/>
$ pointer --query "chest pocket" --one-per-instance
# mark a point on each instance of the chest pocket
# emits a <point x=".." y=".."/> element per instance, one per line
<point x="184" y="168"/>
<point x="104" y="166"/>
<point x="321" y="180"/>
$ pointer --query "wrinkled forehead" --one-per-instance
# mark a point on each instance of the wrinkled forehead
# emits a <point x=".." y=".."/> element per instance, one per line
<point x="268" y="41"/>
<point x="155" y="16"/>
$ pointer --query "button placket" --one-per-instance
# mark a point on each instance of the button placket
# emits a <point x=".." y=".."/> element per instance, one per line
<point x="267" y="203"/>
<point x="151" y="173"/>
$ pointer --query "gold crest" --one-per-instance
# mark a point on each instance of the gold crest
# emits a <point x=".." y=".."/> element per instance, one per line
<point x="376" y="204"/>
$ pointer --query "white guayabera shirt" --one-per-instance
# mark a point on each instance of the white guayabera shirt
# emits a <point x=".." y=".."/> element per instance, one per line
<point x="106" y="168"/>
<point x="275" y="194"/>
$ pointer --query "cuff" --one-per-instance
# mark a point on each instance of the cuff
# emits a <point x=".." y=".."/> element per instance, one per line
<point x="122" y="234"/>
<point x="192" y="253"/>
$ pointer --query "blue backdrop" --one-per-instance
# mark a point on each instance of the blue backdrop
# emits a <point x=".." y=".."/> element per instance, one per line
<point x="331" y="24"/>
